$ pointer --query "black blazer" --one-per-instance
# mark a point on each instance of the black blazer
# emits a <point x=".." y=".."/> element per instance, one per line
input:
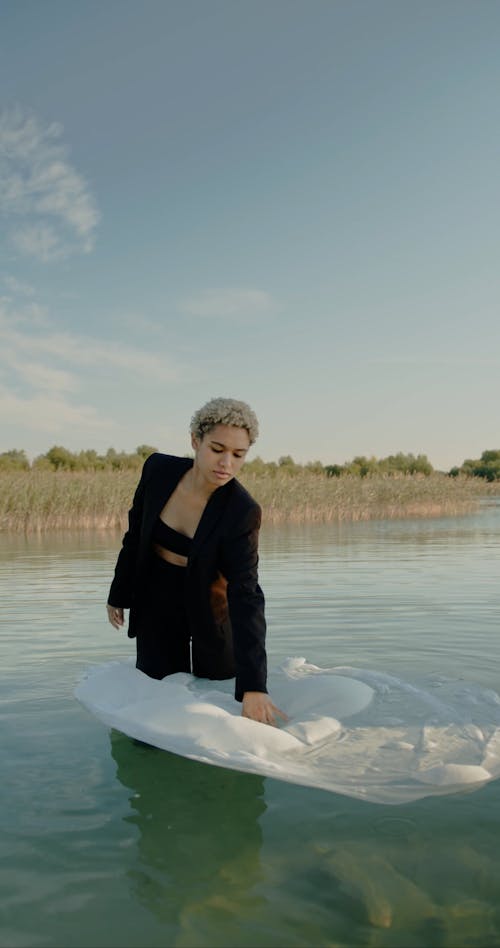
<point x="224" y="602"/>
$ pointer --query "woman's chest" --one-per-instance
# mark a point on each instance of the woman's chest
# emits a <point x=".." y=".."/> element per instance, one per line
<point x="183" y="515"/>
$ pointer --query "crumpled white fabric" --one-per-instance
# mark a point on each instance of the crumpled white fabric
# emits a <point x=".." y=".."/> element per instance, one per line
<point x="361" y="733"/>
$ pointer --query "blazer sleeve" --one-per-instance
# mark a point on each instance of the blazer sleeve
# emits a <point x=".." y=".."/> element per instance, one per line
<point x="246" y="604"/>
<point x="120" y="593"/>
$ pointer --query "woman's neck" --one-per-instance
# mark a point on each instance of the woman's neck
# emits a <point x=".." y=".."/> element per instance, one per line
<point x="196" y="485"/>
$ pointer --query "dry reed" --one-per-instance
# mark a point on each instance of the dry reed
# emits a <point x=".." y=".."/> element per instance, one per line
<point x="35" y="501"/>
<point x="313" y="499"/>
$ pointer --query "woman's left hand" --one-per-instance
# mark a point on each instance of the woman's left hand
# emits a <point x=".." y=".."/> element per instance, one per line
<point x="258" y="707"/>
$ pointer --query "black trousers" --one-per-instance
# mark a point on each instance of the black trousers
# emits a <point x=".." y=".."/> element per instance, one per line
<point x="163" y="645"/>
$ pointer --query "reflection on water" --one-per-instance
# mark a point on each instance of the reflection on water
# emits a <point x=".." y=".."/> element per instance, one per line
<point x="425" y="876"/>
<point x="400" y="596"/>
<point x="136" y="847"/>
<point x="199" y="839"/>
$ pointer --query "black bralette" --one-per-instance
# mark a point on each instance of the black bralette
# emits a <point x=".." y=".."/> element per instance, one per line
<point x="171" y="539"/>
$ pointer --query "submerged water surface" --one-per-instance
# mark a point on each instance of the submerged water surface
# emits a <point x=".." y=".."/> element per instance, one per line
<point x="110" y="843"/>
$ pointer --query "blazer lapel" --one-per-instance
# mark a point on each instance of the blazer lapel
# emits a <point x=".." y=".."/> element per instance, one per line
<point x="211" y="516"/>
<point x="162" y="485"/>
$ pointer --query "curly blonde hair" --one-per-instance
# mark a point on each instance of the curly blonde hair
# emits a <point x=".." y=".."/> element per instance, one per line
<point x="224" y="411"/>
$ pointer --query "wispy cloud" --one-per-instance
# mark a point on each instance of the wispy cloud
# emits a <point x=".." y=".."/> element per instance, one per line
<point x="42" y="378"/>
<point x="82" y="350"/>
<point x="46" y="202"/>
<point x="20" y="312"/>
<point x="49" y="413"/>
<point x="39" y="241"/>
<point x="230" y="303"/>
<point x="437" y="360"/>
<point x="26" y="332"/>
<point x="18" y="287"/>
<point x="43" y="372"/>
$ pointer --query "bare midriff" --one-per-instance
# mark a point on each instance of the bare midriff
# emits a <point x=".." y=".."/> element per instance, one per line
<point x="175" y="558"/>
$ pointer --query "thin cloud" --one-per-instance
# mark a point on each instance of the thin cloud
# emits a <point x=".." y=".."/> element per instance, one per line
<point x="454" y="361"/>
<point x="49" y="413"/>
<point x="40" y="241"/>
<point x="229" y="303"/>
<point x="21" y="335"/>
<point x="46" y="202"/>
<point x="81" y="350"/>
<point x="18" y="287"/>
<point x="29" y="314"/>
<point x="47" y="376"/>
<point x="42" y="377"/>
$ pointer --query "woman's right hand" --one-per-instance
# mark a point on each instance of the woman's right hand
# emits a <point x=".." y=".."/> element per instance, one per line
<point x="115" y="616"/>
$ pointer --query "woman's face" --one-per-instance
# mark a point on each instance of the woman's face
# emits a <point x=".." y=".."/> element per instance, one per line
<point x="220" y="454"/>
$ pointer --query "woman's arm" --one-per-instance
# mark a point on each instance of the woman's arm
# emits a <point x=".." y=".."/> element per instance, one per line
<point x="121" y="588"/>
<point x="246" y="611"/>
<point x="246" y="604"/>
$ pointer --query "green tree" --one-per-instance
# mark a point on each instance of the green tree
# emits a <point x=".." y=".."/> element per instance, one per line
<point x="145" y="450"/>
<point x="256" y="466"/>
<point x="60" y="458"/>
<point x="90" y="460"/>
<point x="407" y="464"/>
<point x="315" y="467"/>
<point x="362" y="466"/>
<point x="487" y="466"/>
<point x="14" y="460"/>
<point x="334" y="470"/>
<point x="41" y="463"/>
<point x="287" y="465"/>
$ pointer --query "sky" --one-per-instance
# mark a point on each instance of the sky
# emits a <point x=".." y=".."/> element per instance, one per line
<point x="290" y="202"/>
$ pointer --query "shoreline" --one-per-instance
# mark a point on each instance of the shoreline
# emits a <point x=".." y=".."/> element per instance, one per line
<point x="35" y="502"/>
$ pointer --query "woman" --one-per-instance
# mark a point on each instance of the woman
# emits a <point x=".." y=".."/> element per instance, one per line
<point x="188" y="565"/>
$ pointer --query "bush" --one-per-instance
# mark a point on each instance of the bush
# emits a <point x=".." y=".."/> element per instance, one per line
<point x="487" y="466"/>
<point x="58" y="458"/>
<point x="14" y="460"/>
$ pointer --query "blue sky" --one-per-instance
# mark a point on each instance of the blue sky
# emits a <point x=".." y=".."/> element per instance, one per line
<point x="293" y="203"/>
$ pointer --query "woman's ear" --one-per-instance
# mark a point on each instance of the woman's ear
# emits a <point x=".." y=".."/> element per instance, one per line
<point x="195" y="442"/>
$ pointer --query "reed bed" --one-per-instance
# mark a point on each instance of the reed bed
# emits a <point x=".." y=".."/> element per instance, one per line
<point x="312" y="499"/>
<point x="36" y="501"/>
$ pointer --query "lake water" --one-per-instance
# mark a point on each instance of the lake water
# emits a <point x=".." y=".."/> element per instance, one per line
<point x="110" y="843"/>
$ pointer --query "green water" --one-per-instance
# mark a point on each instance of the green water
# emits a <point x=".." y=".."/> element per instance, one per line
<point x="106" y="842"/>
